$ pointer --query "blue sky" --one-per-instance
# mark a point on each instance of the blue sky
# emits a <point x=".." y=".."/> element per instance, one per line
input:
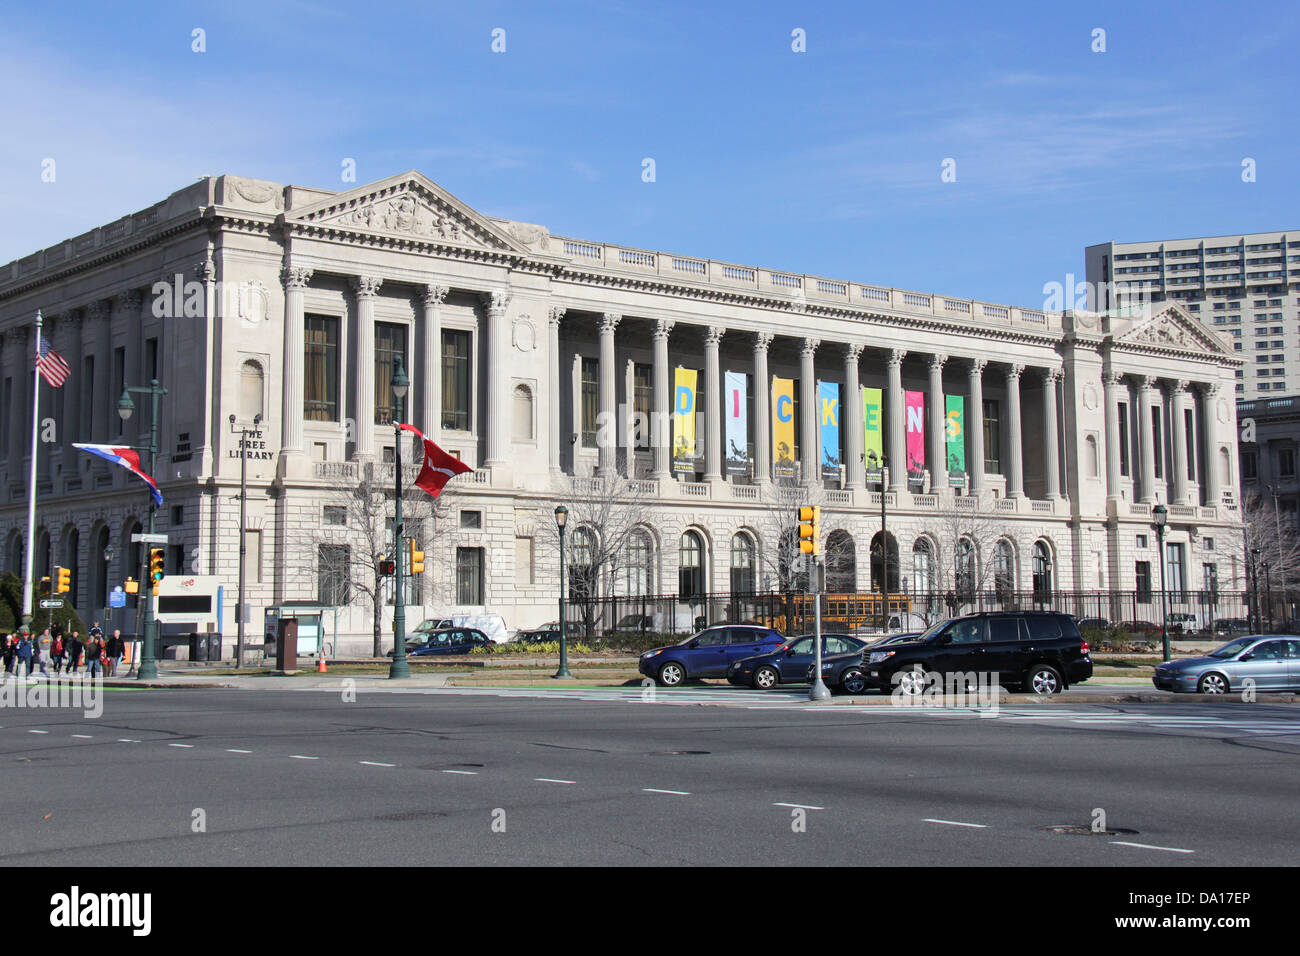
<point x="826" y="161"/>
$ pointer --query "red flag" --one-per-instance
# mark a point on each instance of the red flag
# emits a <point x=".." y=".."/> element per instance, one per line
<point x="439" y="467"/>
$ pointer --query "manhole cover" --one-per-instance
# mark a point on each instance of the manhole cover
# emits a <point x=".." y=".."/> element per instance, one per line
<point x="1083" y="830"/>
<point x="677" y="753"/>
<point x="410" y="815"/>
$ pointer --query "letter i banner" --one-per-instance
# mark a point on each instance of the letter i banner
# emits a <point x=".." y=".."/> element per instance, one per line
<point x="438" y="467"/>
<point x="684" y="385"/>
<point x="737" y="424"/>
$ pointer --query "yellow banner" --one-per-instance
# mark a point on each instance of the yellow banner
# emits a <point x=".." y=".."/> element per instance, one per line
<point x="684" y="382"/>
<point x="783" y="426"/>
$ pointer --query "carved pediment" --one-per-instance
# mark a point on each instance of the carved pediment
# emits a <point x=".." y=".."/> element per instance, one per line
<point x="1172" y="328"/>
<point x="411" y="206"/>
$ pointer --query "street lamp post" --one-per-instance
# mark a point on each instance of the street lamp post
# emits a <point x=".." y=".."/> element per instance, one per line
<point x="1160" y="516"/>
<point x="400" y="667"/>
<point x="562" y="519"/>
<point x="243" y="534"/>
<point x="125" y="408"/>
<point x="1252" y="573"/>
<point x="1268" y="596"/>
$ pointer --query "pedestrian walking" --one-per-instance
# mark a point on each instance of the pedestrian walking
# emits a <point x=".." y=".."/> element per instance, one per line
<point x="9" y="645"/>
<point x="24" y="657"/>
<point x="74" y="652"/>
<point x="41" y="652"/>
<point x="56" y="653"/>
<point x="93" y="651"/>
<point x="114" y="650"/>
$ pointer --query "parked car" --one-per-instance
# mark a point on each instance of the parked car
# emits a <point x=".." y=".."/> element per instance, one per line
<point x="493" y="625"/>
<point x="710" y="653"/>
<point x="789" y="663"/>
<point x="538" y="635"/>
<point x="1272" y="662"/>
<point x="1097" y="623"/>
<point x="1182" y="622"/>
<point x="454" y="640"/>
<point x="1229" y="626"/>
<point x="1039" y="651"/>
<point x="1139" y="627"/>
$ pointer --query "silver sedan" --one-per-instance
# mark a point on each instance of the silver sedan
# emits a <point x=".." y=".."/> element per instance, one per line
<point x="1271" y="662"/>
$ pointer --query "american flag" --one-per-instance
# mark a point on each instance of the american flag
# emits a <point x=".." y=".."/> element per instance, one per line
<point x="51" y="364"/>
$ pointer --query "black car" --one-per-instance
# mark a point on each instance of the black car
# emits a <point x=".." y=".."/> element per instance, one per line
<point x="453" y="640"/>
<point x="789" y="663"/>
<point x="1040" y="652"/>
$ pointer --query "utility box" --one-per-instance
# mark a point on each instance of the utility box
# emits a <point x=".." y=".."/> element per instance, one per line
<point x="286" y="645"/>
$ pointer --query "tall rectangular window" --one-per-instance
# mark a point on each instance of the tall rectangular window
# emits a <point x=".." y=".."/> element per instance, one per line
<point x="992" y="438"/>
<point x="1189" y="439"/>
<point x="1157" y="445"/>
<point x="1123" y="440"/>
<point x="321" y="368"/>
<point x="1142" y="580"/>
<point x="643" y="401"/>
<point x="1175" y="579"/>
<point x="469" y="575"/>
<point x="456" y="379"/>
<point x="8" y="396"/>
<point x="390" y="341"/>
<point x="1286" y="463"/>
<point x="590" y="400"/>
<point x="86" y="414"/>
<point x="333" y="574"/>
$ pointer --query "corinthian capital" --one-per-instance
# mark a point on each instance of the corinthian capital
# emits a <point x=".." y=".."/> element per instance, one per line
<point x="609" y="321"/>
<point x="852" y="352"/>
<point x="977" y="367"/>
<point x="713" y="335"/>
<point x="937" y="361"/>
<point x="130" y="300"/>
<point x="434" y="294"/>
<point x="295" y="278"/>
<point x="555" y="316"/>
<point x="366" y="287"/>
<point x="895" y="359"/>
<point x="809" y="346"/>
<point x="498" y="301"/>
<point x="1014" y="372"/>
<point x="1053" y="375"/>
<point x="762" y="341"/>
<point x="662" y="328"/>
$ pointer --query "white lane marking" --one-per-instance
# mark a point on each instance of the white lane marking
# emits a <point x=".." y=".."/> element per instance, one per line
<point x="1148" y="846"/>
<point x="38" y="731"/>
<point x="798" y="806"/>
<point x="180" y="745"/>
<point x="371" y="763"/>
<point x="84" y="736"/>
<point x="302" y="757"/>
<point x="552" y="780"/>
<point x="957" y="823"/>
<point x="679" y="793"/>
<point x="468" y="773"/>
<point x="126" y="740"/>
<point x="232" y="750"/>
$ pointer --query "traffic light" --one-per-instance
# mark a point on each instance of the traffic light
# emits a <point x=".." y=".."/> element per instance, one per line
<point x="416" y="564"/>
<point x="810" y="530"/>
<point x="387" y="567"/>
<point x="132" y="586"/>
<point x="156" y="570"/>
<point x="64" y="583"/>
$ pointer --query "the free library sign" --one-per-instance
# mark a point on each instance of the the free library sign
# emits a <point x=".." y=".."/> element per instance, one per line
<point x="189" y="599"/>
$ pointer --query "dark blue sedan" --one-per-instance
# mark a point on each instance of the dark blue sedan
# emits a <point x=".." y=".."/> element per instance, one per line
<point x="789" y="663"/>
<point x="453" y="640"/>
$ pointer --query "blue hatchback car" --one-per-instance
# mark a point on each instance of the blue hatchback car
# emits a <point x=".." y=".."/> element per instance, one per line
<point x="709" y="653"/>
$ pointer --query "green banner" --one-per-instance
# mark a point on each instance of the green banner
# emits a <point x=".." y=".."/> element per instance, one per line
<point x="955" y="429"/>
<point x="873" y="414"/>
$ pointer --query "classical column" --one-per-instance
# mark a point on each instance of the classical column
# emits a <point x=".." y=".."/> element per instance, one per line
<point x="1015" y="440"/>
<point x="712" y="404"/>
<point x="1146" y="438"/>
<point x="73" y="426"/>
<point x="293" y="451"/>
<point x="896" y="454"/>
<point x="1178" y="433"/>
<point x="606" y="430"/>
<point x="1212" y="474"/>
<point x="553" y="390"/>
<point x="851" y="416"/>
<point x="431" y="379"/>
<point x="1111" y="384"/>
<point x="99" y="427"/>
<point x="661" y="416"/>
<point x="938" y="452"/>
<point x="497" y="415"/>
<point x="128" y="304"/>
<point x="18" y="349"/>
<point x="367" y="289"/>
<point x="975" y="426"/>
<point x="1052" y="447"/>
<point x="811" y="447"/>
<point x="762" y="410"/>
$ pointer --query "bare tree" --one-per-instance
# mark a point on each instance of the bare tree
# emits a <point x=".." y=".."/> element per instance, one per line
<point x="356" y="532"/>
<point x="966" y="530"/>
<point x="1266" y="528"/>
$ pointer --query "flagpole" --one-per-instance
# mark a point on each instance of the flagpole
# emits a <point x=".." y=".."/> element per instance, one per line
<point x="30" y="562"/>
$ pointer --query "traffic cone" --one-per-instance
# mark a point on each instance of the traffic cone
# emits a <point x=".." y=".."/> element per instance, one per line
<point x="320" y="664"/>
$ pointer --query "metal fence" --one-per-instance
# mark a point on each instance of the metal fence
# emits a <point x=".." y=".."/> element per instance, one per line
<point x="670" y="615"/>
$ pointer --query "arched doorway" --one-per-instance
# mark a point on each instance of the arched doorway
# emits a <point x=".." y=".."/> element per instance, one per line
<point x="884" y="560"/>
<point x="1042" y="572"/>
<point x="1004" y="572"/>
<point x="841" y="563"/>
<point x="100" y="568"/>
<point x="744" y="560"/>
<point x="690" y="566"/>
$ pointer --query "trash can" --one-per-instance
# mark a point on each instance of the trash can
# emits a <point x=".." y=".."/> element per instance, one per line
<point x="198" y="647"/>
<point x="214" y="647"/>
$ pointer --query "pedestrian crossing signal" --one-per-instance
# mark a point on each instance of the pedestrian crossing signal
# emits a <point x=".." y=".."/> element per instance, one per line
<point x="810" y="530"/>
<point x="132" y="586"/>
<point x="416" y="563"/>
<point x="387" y="567"/>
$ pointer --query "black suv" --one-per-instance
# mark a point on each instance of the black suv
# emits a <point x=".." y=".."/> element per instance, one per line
<point x="1040" y="652"/>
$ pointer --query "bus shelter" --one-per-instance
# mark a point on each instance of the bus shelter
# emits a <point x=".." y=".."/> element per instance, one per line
<point x="313" y="620"/>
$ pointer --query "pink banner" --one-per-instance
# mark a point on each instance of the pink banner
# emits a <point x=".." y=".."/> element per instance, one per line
<point x="915" y="413"/>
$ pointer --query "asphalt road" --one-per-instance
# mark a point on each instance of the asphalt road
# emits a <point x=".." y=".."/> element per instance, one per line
<point x="305" y="777"/>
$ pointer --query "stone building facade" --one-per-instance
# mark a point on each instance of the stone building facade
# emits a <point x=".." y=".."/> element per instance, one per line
<point x="244" y="297"/>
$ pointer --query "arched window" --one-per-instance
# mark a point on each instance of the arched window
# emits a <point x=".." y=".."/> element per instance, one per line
<point x="582" y="565"/>
<point x="251" y="391"/>
<point x="690" y="566"/>
<point x="882" y="561"/>
<point x="100" y="570"/>
<point x="791" y="572"/>
<point x="744" y="556"/>
<point x="923" y="570"/>
<point x="523" y="421"/>
<point x="841" y="563"/>
<point x="1090" y="457"/>
<point x="965" y="570"/>
<point x="1042" y="571"/>
<point x="638" y="564"/>
<point x="15" y="555"/>
<point x="1004" y="570"/>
